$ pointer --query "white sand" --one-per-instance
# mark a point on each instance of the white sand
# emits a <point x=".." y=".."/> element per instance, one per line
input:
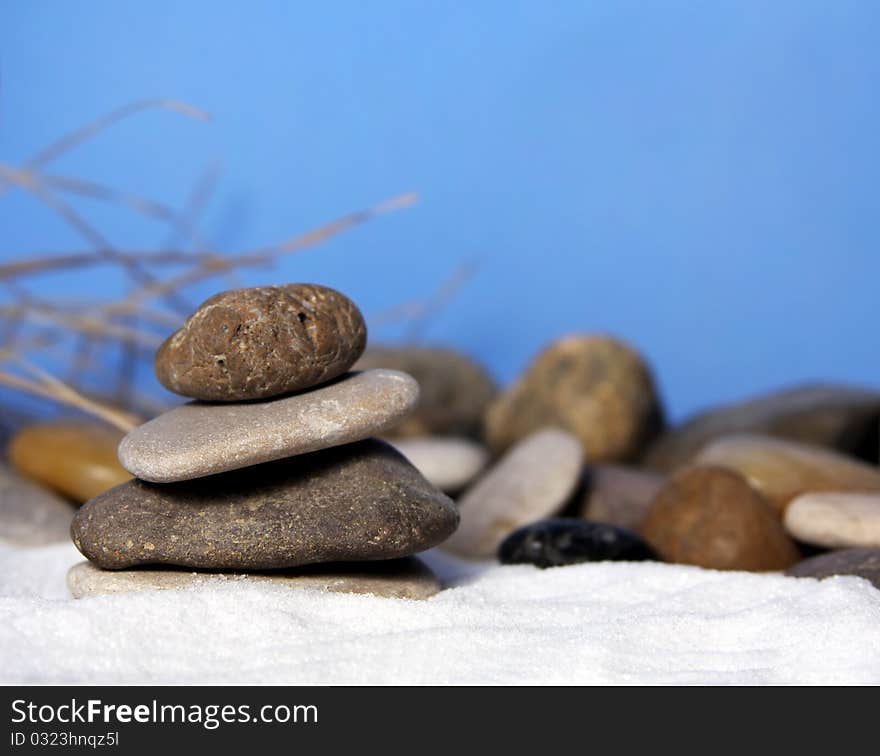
<point x="600" y="623"/>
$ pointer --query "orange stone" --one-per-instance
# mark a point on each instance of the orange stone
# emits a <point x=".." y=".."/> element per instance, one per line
<point x="76" y="459"/>
<point x="711" y="517"/>
<point x="782" y="470"/>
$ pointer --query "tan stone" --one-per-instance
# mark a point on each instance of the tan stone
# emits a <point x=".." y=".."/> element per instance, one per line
<point x="782" y="470"/>
<point x="76" y="459"/>
<point x="712" y="517"/>
<point x="399" y="578"/>
<point x="197" y="439"/>
<point x="838" y="417"/>
<point x="534" y="480"/>
<point x="618" y="495"/>
<point x="835" y="520"/>
<point x="595" y="387"/>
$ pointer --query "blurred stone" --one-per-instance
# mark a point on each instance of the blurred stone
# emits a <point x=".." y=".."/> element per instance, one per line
<point x="782" y="470"/>
<point x="835" y="520"/>
<point x="863" y="563"/>
<point x="561" y="541"/>
<point x="397" y="578"/>
<point x="29" y="514"/>
<point x="262" y="342"/>
<point x="357" y="502"/>
<point x="712" y="517"/>
<point x="454" y="389"/>
<point x="199" y="439"/>
<point x="532" y="481"/>
<point x="594" y="387"/>
<point x="447" y="462"/>
<point x="838" y="417"/>
<point x="76" y="459"/>
<point x="617" y="495"/>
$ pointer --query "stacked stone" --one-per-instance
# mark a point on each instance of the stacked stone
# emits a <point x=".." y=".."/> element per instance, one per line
<point x="274" y="466"/>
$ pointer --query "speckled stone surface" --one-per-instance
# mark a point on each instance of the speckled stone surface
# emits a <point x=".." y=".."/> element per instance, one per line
<point x="782" y="470"/>
<point x="845" y="418"/>
<point x="29" y="514"/>
<point x="711" y="517"/>
<point x="595" y="387"/>
<point x="358" y="502"/>
<point x="455" y="389"/>
<point x="448" y="462"/>
<point x="532" y="481"/>
<point x="835" y="520"/>
<point x="262" y="342"/>
<point x="76" y="459"/>
<point x="397" y="578"/>
<point x="199" y="439"/>
<point x="863" y="563"/>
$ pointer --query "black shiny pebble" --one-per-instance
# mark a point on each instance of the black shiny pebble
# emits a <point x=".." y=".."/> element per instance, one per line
<point x="553" y="543"/>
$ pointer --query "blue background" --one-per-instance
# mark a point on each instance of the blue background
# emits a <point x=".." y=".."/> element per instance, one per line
<point x="697" y="178"/>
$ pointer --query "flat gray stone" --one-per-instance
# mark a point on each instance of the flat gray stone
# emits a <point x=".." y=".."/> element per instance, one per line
<point x="31" y="515"/>
<point x="835" y="520"/>
<point x="448" y="462"/>
<point x="199" y="439"/>
<point x="534" y="480"/>
<point x="397" y="578"/>
<point x="353" y="503"/>
<point x="863" y="563"/>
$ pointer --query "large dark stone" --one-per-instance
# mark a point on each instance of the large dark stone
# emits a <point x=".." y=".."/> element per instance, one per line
<point x="838" y="417"/>
<point x="261" y="342"/>
<point x="352" y="503"/>
<point x="561" y="541"/>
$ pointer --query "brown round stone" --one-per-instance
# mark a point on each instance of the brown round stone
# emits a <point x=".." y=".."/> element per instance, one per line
<point x="593" y="386"/>
<point x="712" y="517"/>
<point x="261" y="342"/>
<point x="76" y="459"/>
<point x="454" y="391"/>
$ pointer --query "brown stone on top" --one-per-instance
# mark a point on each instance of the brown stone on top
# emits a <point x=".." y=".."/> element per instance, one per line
<point x="782" y="470"/>
<point x="711" y="517"/>
<point x="408" y="578"/>
<point x="454" y="389"/>
<point x="357" y="502"/>
<point x="863" y="563"/>
<point x="596" y="387"/>
<point x="839" y="417"/>
<point x="262" y="342"/>
<point x="617" y="495"/>
<point x="76" y="459"/>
